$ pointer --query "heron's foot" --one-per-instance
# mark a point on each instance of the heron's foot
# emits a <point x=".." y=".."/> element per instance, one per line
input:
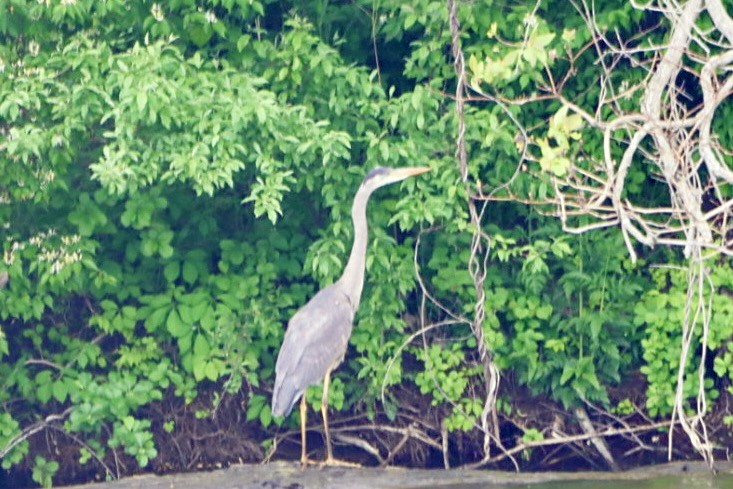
<point x="305" y="462"/>
<point x="335" y="462"/>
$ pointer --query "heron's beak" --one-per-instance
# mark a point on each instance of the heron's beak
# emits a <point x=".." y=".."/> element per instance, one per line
<point x="402" y="173"/>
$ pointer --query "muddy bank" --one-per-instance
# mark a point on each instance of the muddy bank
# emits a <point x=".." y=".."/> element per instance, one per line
<point x="287" y="475"/>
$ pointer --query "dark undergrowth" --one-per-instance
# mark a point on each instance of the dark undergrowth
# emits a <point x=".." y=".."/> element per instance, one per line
<point x="206" y="438"/>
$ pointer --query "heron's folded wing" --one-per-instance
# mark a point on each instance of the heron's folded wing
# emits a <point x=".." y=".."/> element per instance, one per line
<point x="315" y="341"/>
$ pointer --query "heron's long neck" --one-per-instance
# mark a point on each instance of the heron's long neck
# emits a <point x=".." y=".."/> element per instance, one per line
<point x="353" y="277"/>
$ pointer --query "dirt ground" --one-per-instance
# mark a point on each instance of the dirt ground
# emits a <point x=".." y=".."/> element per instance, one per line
<point x="288" y="475"/>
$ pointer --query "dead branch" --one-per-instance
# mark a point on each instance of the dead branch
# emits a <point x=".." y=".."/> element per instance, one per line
<point x="568" y="439"/>
<point x="32" y="430"/>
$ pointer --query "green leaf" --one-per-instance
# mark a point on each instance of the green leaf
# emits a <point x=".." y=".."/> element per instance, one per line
<point x="256" y="404"/>
<point x="176" y="327"/>
<point x="568" y="372"/>
<point x="185" y="342"/>
<point x="243" y="42"/>
<point x="60" y="390"/>
<point x="201" y="347"/>
<point x="265" y="417"/>
<point x="199" y="368"/>
<point x="156" y="319"/>
<point x="142" y="100"/>
<point x="44" y="392"/>
<point x="190" y="272"/>
<point x="212" y="370"/>
<point x="544" y="312"/>
<point x="171" y="271"/>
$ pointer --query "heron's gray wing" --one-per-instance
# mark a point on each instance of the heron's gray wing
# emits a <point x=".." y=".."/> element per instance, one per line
<point x="315" y="341"/>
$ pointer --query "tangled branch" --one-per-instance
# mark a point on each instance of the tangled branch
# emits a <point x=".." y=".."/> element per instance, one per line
<point x="480" y="244"/>
<point x="670" y="133"/>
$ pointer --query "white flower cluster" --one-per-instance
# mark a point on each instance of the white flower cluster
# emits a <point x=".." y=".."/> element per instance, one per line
<point x="34" y="48"/>
<point x="9" y="255"/>
<point x="58" y="258"/>
<point x="157" y="12"/>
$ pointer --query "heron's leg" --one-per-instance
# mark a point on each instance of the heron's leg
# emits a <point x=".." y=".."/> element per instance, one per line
<point x="324" y="412"/>
<point x="303" y="414"/>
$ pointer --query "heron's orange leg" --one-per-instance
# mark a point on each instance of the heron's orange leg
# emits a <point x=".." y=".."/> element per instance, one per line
<point x="324" y="411"/>
<point x="303" y="414"/>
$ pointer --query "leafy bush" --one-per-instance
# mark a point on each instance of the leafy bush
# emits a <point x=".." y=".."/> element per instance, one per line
<point x="660" y="311"/>
<point x="176" y="180"/>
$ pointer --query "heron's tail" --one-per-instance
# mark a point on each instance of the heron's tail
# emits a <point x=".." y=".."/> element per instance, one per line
<point x="284" y="396"/>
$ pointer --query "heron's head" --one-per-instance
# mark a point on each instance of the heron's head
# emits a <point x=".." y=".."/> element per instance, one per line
<point x="381" y="175"/>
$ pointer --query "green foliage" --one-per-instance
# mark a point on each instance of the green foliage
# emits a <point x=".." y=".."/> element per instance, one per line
<point x="723" y="366"/>
<point x="439" y="376"/>
<point x="259" y="408"/>
<point x="176" y="180"/>
<point x="624" y="408"/>
<point x="9" y="429"/>
<point x="135" y="436"/>
<point x="574" y="335"/>
<point x="446" y="379"/>
<point x="531" y="435"/>
<point x="661" y="311"/>
<point x="44" y="470"/>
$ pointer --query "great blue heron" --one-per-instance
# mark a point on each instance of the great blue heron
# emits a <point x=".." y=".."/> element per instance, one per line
<point x="318" y="333"/>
